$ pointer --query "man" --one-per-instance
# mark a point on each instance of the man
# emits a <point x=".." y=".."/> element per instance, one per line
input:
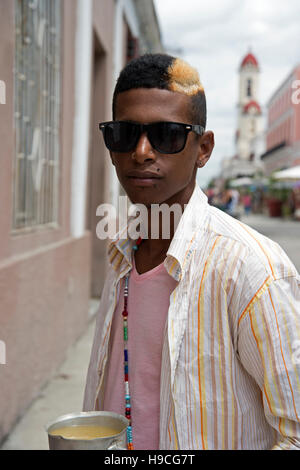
<point x="210" y="314"/>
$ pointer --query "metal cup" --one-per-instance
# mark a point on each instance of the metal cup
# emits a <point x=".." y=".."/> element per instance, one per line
<point x="99" y="418"/>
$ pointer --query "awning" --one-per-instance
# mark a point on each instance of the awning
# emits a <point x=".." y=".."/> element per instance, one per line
<point x="292" y="173"/>
<point x="241" y="182"/>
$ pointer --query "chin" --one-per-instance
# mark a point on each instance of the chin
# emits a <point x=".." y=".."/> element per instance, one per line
<point x="144" y="197"/>
<point x="144" y="201"/>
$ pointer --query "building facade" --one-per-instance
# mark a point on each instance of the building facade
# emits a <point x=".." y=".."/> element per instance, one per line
<point x="283" y="125"/>
<point x="58" y="64"/>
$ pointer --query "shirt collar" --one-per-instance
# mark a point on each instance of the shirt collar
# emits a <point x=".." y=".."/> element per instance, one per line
<point x="182" y="244"/>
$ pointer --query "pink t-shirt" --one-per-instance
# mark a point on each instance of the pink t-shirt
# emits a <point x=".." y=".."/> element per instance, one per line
<point x="148" y="303"/>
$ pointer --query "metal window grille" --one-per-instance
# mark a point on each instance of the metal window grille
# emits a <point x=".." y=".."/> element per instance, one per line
<point x="37" y="112"/>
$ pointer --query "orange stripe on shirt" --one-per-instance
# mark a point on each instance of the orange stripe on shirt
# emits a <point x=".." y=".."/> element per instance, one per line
<point x="254" y="297"/>
<point x="287" y="374"/>
<point x="257" y="344"/>
<point x="199" y="379"/>
<point x="260" y="245"/>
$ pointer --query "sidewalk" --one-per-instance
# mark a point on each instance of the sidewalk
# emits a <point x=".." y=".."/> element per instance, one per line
<point x="264" y="221"/>
<point x="63" y="394"/>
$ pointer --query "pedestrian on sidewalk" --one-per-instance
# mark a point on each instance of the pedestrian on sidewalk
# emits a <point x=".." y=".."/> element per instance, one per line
<point x="197" y="331"/>
<point x="247" y="202"/>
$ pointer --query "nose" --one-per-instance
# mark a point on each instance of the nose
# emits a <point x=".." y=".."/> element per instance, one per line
<point x="144" y="151"/>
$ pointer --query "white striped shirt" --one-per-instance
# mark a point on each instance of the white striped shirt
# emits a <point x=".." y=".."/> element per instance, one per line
<point x="230" y="372"/>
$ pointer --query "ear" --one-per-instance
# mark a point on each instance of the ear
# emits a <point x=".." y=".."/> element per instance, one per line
<point x="206" y="146"/>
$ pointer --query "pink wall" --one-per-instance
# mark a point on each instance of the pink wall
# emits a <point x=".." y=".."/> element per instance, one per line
<point x="99" y="179"/>
<point x="45" y="276"/>
<point x="282" y="132"/>
<point x="44" y="306"/>
<point x="297" y="110"/>
<point x="289" y="129"/>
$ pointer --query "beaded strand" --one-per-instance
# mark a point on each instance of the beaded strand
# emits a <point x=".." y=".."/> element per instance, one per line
<point x="126" y="368"/>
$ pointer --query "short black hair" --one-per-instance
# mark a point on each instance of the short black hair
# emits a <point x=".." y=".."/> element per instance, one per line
<point x="153" y="71"/>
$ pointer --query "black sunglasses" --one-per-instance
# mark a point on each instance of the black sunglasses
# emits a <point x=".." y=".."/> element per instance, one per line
<point x="164" y="137"/>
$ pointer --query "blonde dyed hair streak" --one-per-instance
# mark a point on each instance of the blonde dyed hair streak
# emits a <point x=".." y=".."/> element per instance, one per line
<point x="183" y="78"/>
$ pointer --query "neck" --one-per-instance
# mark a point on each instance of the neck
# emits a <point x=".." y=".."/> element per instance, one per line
<point x="163" y="218"/>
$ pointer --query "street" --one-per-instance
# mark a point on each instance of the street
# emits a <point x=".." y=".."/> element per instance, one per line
<point x="285" y="232"/>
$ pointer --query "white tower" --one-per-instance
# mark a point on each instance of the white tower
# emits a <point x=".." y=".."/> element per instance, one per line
<point x="249" y="111"/>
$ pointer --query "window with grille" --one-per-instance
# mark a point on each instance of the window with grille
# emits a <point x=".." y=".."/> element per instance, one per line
<point x="37" y="112"/>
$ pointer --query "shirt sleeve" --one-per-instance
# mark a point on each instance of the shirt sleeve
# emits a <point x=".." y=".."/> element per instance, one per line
<point x="93" y="377"/>
<point x="269" y="348"/>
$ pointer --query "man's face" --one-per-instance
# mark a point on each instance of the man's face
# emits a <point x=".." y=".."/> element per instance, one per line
<point x="174" y="174"/>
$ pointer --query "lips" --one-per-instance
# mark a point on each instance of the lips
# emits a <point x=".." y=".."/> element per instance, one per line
<point x="143" y="178"/>
<point x="143" y="174"/>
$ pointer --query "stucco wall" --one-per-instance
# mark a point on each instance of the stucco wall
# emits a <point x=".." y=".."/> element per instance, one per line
<point x="45" y="275"/>
<point x="44" y="306"/>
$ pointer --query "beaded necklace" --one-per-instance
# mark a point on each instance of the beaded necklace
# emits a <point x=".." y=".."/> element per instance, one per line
<point x="126" y="374"/>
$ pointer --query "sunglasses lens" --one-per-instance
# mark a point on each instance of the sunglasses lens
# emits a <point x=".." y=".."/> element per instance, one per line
<point x="167" y="137"/>
<point x="121" y="136"/>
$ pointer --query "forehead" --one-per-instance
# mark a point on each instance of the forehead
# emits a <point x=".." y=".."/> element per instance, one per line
<point x="152" y="104"/>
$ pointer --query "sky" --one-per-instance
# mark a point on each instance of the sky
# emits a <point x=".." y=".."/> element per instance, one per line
<point x="214" y="36"/>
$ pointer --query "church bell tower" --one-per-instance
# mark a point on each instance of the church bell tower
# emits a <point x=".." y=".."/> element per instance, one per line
<point x="249" y="111"/>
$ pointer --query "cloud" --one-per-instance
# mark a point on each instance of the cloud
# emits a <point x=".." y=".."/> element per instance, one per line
<point x="214" y="37"/>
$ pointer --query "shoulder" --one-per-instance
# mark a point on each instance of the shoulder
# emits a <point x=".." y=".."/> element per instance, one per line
<point x="257" y="252"/>
<point x="238" y="265"/>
